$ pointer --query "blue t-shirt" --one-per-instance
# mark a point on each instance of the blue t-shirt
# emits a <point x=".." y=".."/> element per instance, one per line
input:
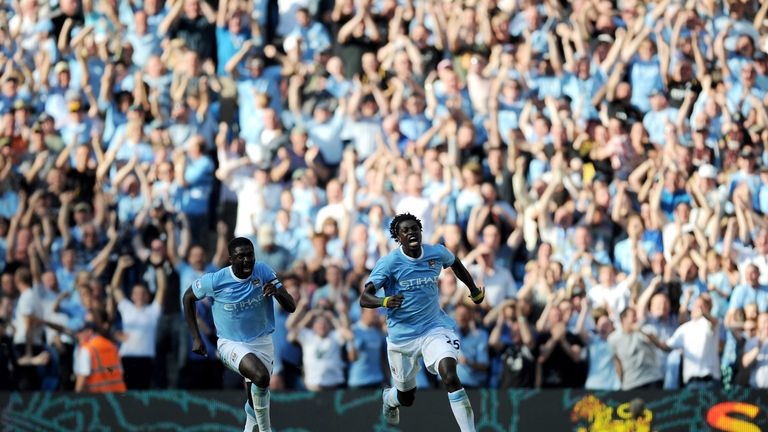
<point x="744" y="295"/>
<point x="602" y="373"/>
<point x="240" y="310"/>
<point x="416" y="280"/>
<point x="369" y="344"/>
<point x="474" y="347"/>
<point x="199" y="177"/>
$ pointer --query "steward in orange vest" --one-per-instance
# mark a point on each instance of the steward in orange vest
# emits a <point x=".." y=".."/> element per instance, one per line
<point x="105" y="373"/>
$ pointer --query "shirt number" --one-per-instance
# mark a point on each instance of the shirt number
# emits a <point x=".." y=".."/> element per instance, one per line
<point x="453" y="342"/>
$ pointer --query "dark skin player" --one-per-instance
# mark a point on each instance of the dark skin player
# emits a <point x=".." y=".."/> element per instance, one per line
<point x="409" y="236"/>
<point x="242" y="259"/>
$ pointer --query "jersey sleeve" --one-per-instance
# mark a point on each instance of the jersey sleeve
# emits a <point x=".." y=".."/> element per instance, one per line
<point x="379" y="276"/>
<point x="446" y="257"/>
<point x="266" y="274"/>
<point x="203" y="287"/>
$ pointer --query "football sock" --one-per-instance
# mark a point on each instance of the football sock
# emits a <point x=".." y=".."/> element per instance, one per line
<point x="250" y="418"/>
<point x="392" y="398"/>
<point x="462" y="410"/>
<point x="261" y="407"/>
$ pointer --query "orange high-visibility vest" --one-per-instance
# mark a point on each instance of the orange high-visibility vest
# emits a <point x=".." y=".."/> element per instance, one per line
<point x="106" y="371"/>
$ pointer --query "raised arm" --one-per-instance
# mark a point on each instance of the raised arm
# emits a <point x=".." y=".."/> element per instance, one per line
<point x="476" y="294"/>
<point x="171" y="18"/>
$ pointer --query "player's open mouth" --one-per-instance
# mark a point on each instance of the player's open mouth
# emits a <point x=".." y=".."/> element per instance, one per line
<point x="413" y="240"/>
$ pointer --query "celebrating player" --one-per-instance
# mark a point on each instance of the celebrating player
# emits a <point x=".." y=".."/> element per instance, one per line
<point x="417" y="325"/>
<point x="244" y="317"/>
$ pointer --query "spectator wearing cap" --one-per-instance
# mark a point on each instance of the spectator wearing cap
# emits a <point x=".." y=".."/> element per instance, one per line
<point x="269" y="252"/>
<point x="746" y="175"/>
<point x="97" y="365"/>
<point x="56" y="103"/>
<point x="659" y="117"/>
<point x="80" y="126"/>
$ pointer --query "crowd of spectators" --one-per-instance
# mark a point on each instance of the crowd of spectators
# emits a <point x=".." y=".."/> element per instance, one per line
<point x="601" y="167"/>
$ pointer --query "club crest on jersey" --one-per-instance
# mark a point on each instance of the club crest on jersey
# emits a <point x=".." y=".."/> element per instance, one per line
<point x="432" y="263"/>
<point x="256" y="281"/>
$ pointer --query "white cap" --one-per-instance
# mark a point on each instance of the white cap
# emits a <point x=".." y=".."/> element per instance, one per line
<point x="290" y="43"/>
<point x="707" y="171"/>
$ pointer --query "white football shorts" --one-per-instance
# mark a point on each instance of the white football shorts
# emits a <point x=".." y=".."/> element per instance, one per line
<point x="434" y="346"/>
<point x="232" y="353"/>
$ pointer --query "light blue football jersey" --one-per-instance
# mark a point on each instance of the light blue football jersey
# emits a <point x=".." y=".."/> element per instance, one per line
<point x="240" y="310"/>
<point x="416" y="280"/>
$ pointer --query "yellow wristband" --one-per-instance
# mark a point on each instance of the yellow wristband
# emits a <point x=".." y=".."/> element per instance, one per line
<point x="384" y="302"/>
<point x="479" y="296"/>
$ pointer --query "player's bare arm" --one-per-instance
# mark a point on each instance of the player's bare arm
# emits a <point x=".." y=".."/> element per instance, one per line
<point x="190" y="316"/>
<point x="477" y="294"/>
<point x="368" y="299"/>
<point x="277" y="290"/>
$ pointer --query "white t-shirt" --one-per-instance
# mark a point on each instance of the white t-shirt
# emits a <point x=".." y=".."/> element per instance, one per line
<point x="331" y="211"/>
<point x="28" y="304"/>
<point x="699" y="343"/>
<point x="758" y="378"/>
<point x="82" y="365"/>
<point x="139" y="326"/>
<point x="420" y="207"/>
<point x="499" y="286"/>
<point x="47" y="301"/>
<point x="252" y="212"/>
<point x="322" y="358"/>
<point x="617" y="297"/>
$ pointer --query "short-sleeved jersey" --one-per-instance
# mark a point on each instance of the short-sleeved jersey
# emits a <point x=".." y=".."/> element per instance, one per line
<point x="416" y="280"/>
<point x="240" y="310"/>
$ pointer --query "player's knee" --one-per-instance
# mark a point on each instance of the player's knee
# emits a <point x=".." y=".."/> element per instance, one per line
<point x="451" y="380"/>
<point x="406" y="398"/>
<point x="262" y="380"/>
